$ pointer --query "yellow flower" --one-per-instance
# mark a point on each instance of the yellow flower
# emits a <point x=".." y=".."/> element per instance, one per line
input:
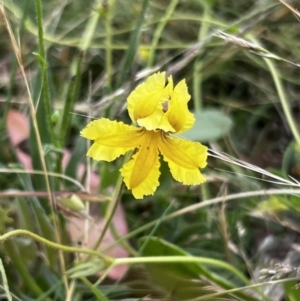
<point x="159" y="111"/>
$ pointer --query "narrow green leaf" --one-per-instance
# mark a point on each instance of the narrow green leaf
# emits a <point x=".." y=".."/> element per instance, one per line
<point x="188" y="280"/>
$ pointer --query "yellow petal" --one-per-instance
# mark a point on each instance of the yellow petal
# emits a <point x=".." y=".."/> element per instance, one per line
<point x="112" y="138"/>
<point x="178" y="115"/>
<point x="152" y="122"/>
<point x="184" y="159"/>
<point x="141" y="173"/>
<point x="145" y="102"/>
<point x="186" y="176"/>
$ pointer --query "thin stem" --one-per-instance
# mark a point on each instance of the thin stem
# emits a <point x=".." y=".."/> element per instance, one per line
<point x="111" y="209"/>
<point x="125" y="245"/>
<point x="148" y="237"/>
<point x="282" y="97"/>
<point x="187" y="259"/>
<point x="49" y="174"/>
<point x="89" y="31"/>
<point x="284" y="101"/>
<point x="14" y="66"/>
<point x="193" y="208"/>
<point x="88" y="171"/>
<point x="157" y="34"/>
<point x="98" y="294"/>
<point x="116" y="197"/>
<point x="17" y="52"/>
<point x="54" y="245"/>
<point x="70" y="291"/>
<point x="181" y="259"/>
<point x="238" y="289"/>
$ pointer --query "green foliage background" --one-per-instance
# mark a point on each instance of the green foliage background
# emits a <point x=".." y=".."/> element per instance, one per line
<point x="81" y="59"/>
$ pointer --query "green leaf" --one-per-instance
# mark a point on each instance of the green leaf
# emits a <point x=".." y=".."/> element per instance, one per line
<point x="184" y="280"/>
<point x="71" y="202"/>
<point x="210" y="125"/>
<point x="109" y="174"/>
<point x="292" y="291"/>
<point x="86" y="269"/>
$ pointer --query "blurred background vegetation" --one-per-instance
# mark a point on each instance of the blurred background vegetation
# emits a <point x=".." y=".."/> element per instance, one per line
<point x="73" y="61"/>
